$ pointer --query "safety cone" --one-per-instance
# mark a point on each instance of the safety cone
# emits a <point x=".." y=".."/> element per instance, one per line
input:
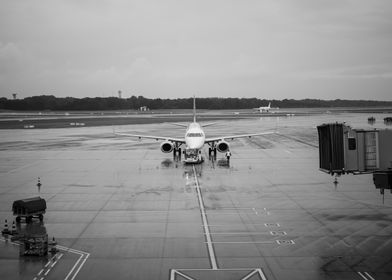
<point x="39" y="184"/>
<point x="13" y="230"/>
<point x="5" y="230"/>
<point x="53" y="248"/>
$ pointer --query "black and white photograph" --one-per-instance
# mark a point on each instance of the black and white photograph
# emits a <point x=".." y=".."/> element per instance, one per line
<point x="196" y="140"/>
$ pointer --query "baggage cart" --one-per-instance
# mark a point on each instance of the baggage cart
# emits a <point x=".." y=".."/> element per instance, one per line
<point x="29" y="208"/>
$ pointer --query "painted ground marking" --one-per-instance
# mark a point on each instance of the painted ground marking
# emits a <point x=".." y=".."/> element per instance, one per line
<point x="366" y="276"/>
<point x="75" y="269"/>
<point x="247" y="273"/>
<point x="278" y="233"/>
<point x="285" y="242"/>
<point x="211" y="251"/>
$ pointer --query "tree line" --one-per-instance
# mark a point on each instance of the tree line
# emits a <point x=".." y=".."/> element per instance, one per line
<point x="50" y="102"/>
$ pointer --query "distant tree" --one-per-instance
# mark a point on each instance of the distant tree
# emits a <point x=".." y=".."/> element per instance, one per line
<point x="50" y="102"/>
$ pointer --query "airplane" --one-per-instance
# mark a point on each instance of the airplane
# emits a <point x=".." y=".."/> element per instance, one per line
<point x="265" y="108"/>
<point x="194" y="140"/>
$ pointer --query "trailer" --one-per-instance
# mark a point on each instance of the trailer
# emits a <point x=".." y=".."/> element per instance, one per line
<point x="29" y="208"/>
<point x="33" y="240"/>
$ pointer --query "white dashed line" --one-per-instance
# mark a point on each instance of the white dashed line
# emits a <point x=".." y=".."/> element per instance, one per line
<point x="369" y="276"/>
<point x="366" y="276"/>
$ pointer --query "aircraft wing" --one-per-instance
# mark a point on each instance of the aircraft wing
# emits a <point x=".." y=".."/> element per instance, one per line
<point x="231" y="137"/>
<point x="170" y="139"/>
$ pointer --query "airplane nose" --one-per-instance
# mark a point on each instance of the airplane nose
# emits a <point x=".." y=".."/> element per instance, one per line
<point x="194" y="144"/>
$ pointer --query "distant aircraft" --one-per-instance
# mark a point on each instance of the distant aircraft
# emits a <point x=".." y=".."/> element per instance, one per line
<point x="265" y="108"/>
<point x="194" y="141"/>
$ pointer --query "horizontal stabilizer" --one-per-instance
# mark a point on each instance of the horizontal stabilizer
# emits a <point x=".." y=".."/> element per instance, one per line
<point x="207" y="124"/>
<point x="179" y="124"/>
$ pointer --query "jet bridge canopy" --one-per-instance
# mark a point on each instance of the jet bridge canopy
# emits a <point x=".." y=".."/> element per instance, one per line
<point x="331" y="154"/>
<point x="346" y="150"/>
<point x="29" y="206"/>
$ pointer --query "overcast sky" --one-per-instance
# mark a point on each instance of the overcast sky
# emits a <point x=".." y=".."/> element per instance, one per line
<point x="267" y="49"/>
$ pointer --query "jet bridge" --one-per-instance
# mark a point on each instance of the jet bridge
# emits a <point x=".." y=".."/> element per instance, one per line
<point x="344" y="150"/>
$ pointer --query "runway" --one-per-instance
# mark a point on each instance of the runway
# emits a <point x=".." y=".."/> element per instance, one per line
<point x="121" y="209"/>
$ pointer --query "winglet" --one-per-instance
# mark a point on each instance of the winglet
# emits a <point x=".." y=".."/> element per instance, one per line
<point x="194" y="108"/>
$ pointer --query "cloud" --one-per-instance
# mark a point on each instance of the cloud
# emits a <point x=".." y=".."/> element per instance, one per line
<point x="379" y="71"/>
<point x="164" y="48"/>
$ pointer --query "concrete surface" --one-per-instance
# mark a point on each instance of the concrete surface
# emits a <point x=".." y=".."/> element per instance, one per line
<point x="121" y="209"/>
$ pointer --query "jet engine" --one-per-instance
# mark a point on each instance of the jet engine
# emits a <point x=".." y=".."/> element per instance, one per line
<point x="167" y="147"/>
<point x="222" y="146"/>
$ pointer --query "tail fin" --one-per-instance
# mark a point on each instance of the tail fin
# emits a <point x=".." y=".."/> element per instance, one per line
<point x="194" y="108"/>
<point x="269" y="105"/>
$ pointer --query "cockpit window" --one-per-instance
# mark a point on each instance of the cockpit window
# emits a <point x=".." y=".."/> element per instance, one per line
<point x="194" y="135"/>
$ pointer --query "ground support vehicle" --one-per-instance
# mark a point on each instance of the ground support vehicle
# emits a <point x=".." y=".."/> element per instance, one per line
<point x="29" y="208"/>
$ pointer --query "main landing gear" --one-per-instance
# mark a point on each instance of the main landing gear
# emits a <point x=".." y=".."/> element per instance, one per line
<point x="212" y="153"/>
<point x="177" y="153"/>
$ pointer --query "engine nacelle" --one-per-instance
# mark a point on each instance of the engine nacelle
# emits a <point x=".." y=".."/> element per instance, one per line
<point x="222" y="146"/>
<point x="167" y="147"/>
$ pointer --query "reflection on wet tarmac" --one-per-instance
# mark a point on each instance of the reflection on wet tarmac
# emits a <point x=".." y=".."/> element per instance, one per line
<point x="223" y="163"/>
<point x="135" y="209"/>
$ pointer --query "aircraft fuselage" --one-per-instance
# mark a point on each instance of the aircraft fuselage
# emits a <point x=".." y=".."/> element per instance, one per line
<point x="194" y="141"/>
<point x="194" y="136"/>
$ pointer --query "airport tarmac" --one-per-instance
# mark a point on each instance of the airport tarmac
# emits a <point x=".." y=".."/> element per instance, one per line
<point x="121" y="209"/>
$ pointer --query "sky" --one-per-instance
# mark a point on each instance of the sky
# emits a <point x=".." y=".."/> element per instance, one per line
<point x="295" y="49"/>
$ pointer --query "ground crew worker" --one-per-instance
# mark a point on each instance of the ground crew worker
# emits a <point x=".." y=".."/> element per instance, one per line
<point x="228" y="155"/>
